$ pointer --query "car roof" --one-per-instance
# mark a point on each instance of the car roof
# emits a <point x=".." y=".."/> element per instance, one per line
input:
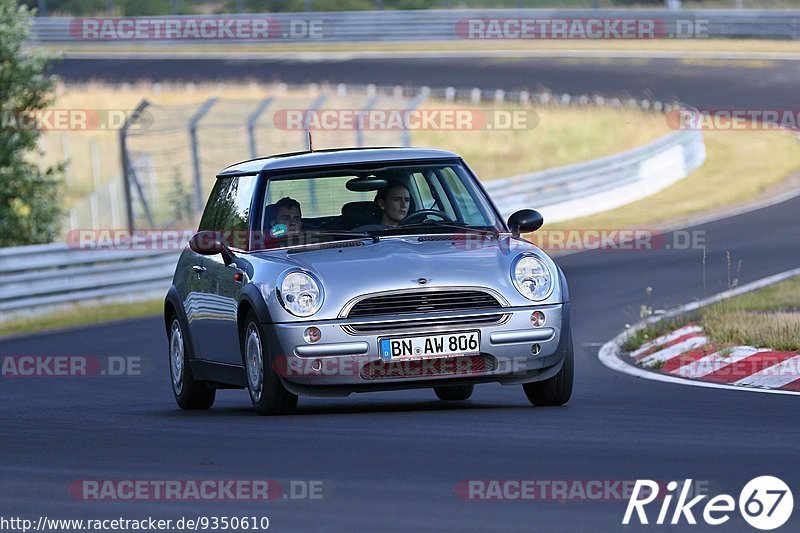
<point x="333" y="157"/>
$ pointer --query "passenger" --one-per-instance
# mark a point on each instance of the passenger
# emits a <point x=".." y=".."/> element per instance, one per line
<point x="287" y="211"/>
<point x="393" y="203"/>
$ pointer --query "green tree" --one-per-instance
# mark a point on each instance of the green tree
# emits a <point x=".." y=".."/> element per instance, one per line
<point x="29" y="197"/>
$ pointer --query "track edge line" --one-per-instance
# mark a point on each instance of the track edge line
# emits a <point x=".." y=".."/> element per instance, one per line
<point x="609" y="353"/>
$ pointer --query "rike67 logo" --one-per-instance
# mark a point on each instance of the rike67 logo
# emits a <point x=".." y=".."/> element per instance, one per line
<point x="765" y="503"/>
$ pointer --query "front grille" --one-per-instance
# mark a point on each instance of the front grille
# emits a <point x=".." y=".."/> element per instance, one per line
<point x="428" y="324"/>
<point x="445" y="366"/>
<point x="423" y="302"/>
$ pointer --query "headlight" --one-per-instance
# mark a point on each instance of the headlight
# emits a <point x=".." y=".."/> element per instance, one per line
<point x="532" y="278"/>
<point x="300" y="294"/>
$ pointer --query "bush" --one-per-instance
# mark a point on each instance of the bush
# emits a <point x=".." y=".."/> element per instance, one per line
<point x="29" y="197"/>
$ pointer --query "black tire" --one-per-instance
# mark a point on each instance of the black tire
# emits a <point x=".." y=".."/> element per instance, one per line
<point x="558" y="389"/>
<point x="270" y="397"/>
<point x="454" y="393"/>
<point x="189" y="393"/>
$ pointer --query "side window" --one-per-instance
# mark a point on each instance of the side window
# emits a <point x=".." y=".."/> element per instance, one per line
<point x="466" y="203"/>
<point x="228" y="209"/>
<point x="424" y="189"/>
<point x="210" y="212"/>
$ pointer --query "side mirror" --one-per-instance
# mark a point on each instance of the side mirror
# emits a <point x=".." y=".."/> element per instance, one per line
<point x="525" y="220"/>
<point x="211" y="243"/>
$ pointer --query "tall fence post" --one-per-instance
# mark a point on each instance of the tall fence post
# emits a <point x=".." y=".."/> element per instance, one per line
<point x="126" y="161"/>
<point x="198" y="183"/>
<point x="251" y="123"/>
<point x="316" y="104"/>
<point x="412" y="105"/>
<point x="366" y="109"/>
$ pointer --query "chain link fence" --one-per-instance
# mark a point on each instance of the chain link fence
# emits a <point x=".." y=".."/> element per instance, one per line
<point x="170" y="153"/>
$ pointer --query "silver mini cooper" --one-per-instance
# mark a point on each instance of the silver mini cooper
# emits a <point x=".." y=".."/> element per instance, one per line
<point x="331" y="272"/>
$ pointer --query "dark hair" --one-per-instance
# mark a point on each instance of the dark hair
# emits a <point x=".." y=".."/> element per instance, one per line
<point x="286" y="203"/>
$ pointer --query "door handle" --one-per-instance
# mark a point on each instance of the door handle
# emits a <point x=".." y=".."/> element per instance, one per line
<point x="199" y="269"/>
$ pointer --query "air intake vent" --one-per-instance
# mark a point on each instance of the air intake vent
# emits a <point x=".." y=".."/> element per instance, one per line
<point x="329" y="246"/>
<point x="449" y="366"/>
<point x="430" y="301"/>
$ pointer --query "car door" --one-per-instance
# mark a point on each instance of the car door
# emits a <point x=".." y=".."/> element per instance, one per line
<point x="215" y="327"/>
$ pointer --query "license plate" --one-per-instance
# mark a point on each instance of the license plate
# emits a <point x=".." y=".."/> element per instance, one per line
<point x="429" y="346"/>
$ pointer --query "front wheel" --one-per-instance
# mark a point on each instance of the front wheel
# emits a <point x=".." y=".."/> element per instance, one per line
<point x="267" y="393"/>
<point x="454" y="393"/>
<point x="189" y="394"/>
<point x="558" y="389"/>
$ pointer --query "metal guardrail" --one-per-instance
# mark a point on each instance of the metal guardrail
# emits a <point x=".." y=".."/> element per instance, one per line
<point x="446" y="25"/>
<point x="627" y="176"/>
<point x="32" y="277"/>
<point x="47" y="276"/>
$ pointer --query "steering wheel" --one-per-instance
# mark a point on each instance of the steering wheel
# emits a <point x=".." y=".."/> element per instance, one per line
<point x="422" y="214"/>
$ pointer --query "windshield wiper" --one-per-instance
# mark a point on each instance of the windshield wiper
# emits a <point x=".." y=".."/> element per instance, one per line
<point x="345" y="234"/>
<point x="461" y="226"/>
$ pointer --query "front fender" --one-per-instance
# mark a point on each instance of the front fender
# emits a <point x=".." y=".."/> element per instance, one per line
<point x="251" y="297"/>
<point x="564" y="286"/>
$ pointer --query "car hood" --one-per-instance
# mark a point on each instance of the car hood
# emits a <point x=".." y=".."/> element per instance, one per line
<point x="398" y="263"/>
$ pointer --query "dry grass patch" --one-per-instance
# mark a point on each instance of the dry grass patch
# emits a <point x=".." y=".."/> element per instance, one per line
<point x="778" y="330"/>
<point x="82" y="315"/>
<point x="767" y="318"/>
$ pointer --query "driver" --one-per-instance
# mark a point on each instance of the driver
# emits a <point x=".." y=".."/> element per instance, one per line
<point x="393" y="203"/>
<point x="287" y="211"/>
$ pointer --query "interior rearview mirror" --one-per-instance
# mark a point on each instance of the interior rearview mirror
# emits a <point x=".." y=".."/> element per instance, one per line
<point x="366" y="184"/>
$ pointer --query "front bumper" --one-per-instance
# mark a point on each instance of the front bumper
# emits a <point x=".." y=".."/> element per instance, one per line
<point x="347" y="358"/>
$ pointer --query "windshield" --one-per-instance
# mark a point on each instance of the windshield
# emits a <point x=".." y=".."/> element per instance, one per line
<point x="374" y="200"/>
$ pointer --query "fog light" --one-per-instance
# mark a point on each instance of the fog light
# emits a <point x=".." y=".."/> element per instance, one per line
<point x="537" y="319"/>
<point x="312" y="335"/>
<point x="535" y="349"/>
<point x="316" y="365"/>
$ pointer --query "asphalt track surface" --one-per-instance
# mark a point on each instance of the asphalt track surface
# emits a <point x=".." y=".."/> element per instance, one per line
<point x="391" y="461"/>
<point x="767" y="84"/>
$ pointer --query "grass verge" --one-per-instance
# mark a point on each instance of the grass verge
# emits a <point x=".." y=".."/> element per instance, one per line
<point x="767" y="318"/>
<point x="652" y="331"/>
<point x="82" y="315"/>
